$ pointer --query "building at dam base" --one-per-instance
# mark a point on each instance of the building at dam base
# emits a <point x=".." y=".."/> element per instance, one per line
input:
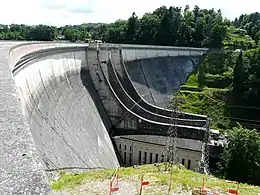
<point x="137" y="150"/>
<point x="79" y="102"/>
<point x="148" y="149"/>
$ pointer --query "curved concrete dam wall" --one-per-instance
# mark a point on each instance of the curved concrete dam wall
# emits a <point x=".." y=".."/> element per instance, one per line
<point x="63" y="122"/>
<point x="157" y="72"/>
<point x="158" y="79"/>
<point x="61" y="106"/>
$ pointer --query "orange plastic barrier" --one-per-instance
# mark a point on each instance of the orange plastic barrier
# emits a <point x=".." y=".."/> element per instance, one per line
<point x="143" y="183"/>
<point x="113" y="185"/>
<point x="232" y="191"/>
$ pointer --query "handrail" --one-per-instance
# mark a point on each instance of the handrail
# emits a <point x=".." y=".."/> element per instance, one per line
<point x="43" y="53"/>
<point x="37" y="46"/>
<point x="15" y="55"/>
<point x="150" y="47"/>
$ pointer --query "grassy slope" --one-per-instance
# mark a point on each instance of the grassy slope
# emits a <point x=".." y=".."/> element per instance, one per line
<point x="209" y="101"/>
<point x="213" y="102"/>
<point x="185" y="178"/>
<point x="238" y="38"/>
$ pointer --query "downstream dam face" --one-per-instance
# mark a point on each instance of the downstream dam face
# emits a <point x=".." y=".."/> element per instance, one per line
<point x="61" y="108"/>
<point x="62" y="103"/>
<point x="158" y="79"/>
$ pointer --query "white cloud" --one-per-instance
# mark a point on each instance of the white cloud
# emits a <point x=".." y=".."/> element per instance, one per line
<point x="61" y="12"/>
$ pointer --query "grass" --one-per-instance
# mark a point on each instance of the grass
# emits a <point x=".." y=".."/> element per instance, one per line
<point x="241" y="39"/>
<point x="186" y="178"/>
<point x="192" y="81"/>
<point x="210" y="102"/>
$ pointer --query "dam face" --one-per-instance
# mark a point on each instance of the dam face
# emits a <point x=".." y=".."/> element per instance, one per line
<point x="59" y="105"/>
<point x="158" y="79"/>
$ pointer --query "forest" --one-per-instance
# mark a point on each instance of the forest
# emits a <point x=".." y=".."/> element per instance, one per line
<point x="226" y="87"/>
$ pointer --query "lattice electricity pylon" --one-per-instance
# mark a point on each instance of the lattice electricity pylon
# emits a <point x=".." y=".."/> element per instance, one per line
<point x="170" y="150"/>
<point x="203" y="166"/>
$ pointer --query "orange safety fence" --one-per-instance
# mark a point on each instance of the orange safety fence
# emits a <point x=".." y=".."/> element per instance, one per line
<point x="113" y="184"/>
<point x="143" y="183"/>
<point x="203" y="190"/>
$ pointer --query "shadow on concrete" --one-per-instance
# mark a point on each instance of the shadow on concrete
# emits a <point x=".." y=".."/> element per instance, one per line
<point x="88" y="84"/>
<point x="161" y="77"/>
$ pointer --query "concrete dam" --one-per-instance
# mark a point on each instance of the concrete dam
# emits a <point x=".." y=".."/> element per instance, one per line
<point x="62" y="103"/>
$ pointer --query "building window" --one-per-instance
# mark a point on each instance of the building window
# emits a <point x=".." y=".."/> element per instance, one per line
<point x="189" y="164"/>
<point x="130" y="148"/>
<point x="156" y="158"/>
<point x="140" y="157"/>
<point x="162" y="158"/>
<point x="120" y="149"/>
<point x="145" y="157"/>
<point x="183" y="162"/>
<point x="151" y="158"/>
<point x="125" y="147"/>
<point x="130" y="158"/>
<point x="125" y="157"/>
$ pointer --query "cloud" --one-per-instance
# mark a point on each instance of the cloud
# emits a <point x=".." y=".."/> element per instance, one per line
<point x="81" y="10"/>
<point x="55" y="4"/>
<point x="62" y="12"/>
<point x="77" y="6"/>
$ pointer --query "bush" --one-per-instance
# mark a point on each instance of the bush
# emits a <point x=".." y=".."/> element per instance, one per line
<point x="218" y="81"/>
<point x="240" y="160"/>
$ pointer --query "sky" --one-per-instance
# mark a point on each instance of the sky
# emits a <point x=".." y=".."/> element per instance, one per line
<point x="62" y="12"/>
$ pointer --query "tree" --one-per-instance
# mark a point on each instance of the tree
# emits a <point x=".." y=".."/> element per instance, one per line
<point x="240" y="159"/>
<point x="201" y="76"/>
<point x="42" y="33"/>
<point x="257" y="37"/>
<point x="249" y="22"/>
<point x="132" y="29"/>
<point x="149" y="26"/>
<point x="165" y="26"/>
<point x="103" y="33"/>
<point x="116" y="31"/>
<point x="170" y="27"/>
<point x="72" y="34"/>
<point x="160" y="11"/>
<point x="218" y="34"/>
<point x="238" y="74"/>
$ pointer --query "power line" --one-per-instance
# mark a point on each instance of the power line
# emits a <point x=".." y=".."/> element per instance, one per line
<point x="239" y="120"/>
<point x="247" y="107"/>
<point x="236" y="118"/>
<point x="170" y="150"/>
<point x="203" y="165"/>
